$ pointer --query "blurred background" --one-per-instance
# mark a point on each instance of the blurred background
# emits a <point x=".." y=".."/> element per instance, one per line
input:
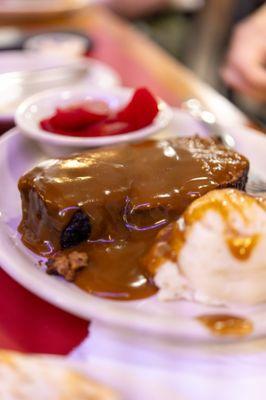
<point x="199" y="33"/>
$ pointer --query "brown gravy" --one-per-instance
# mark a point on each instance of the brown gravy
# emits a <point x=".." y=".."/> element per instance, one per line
<point x="242" y="247"/>
<point x="227" y="325"/>
<point x="129" y="192"/>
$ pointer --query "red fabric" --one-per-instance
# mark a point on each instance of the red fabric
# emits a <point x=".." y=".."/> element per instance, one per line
<point x="29" y="324"/>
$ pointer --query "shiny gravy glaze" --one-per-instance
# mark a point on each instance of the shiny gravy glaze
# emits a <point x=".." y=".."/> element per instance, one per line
<point x="129" y="192"/>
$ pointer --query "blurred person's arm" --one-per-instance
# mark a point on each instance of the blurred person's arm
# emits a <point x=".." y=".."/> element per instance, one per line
<point x="134" y="8"/>
<point x="245" y="67"/>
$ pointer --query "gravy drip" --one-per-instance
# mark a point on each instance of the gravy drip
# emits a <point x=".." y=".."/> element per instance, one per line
<point x="227" y="325"/>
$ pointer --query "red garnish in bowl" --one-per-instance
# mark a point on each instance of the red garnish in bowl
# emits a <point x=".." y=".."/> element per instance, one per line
<point x="141" y="110"/>
<point x="73" y="119"/>
<point x="93" y="119"/>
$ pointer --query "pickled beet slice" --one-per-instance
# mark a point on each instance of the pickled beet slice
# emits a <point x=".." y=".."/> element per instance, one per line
<point x="141" y="110"/>
<point x="72" y="119"/>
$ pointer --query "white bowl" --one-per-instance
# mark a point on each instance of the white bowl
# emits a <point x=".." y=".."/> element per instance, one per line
<point x="42" y="105"/>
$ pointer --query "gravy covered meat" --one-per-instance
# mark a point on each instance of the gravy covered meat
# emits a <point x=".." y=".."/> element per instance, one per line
<point x="109" y="204"/>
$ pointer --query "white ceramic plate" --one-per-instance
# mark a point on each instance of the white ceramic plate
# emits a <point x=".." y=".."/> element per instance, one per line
<point x="40" y="8"/>
<point x="99" y="74"/>
<point x="175" y="320"/>
<point x="43" y="105"/>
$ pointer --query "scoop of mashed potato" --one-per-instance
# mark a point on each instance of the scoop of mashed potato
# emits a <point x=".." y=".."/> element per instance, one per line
<point x="215" y="253"/>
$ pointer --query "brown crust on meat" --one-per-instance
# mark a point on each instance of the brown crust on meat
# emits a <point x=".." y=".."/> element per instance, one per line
<point x="67" y="264"/>
<point x="239" y="182"/>
<point x="49" y="225"/>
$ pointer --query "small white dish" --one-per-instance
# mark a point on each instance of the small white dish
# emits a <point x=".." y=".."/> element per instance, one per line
<point x="42" y="105"/>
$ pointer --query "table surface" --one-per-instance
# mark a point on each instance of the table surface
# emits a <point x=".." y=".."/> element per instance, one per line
<point x="27" y="323"/>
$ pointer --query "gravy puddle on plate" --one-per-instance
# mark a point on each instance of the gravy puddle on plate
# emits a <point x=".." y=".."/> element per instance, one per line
<point x="226" y="325"/>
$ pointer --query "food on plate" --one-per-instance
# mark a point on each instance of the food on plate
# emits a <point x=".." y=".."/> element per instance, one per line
<point x="25" y="377"/>
<point x="95" y="215"/>
<point x="215" y="252"/>
<point x="67" y="265"/>
<point x="94" y="118"/>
